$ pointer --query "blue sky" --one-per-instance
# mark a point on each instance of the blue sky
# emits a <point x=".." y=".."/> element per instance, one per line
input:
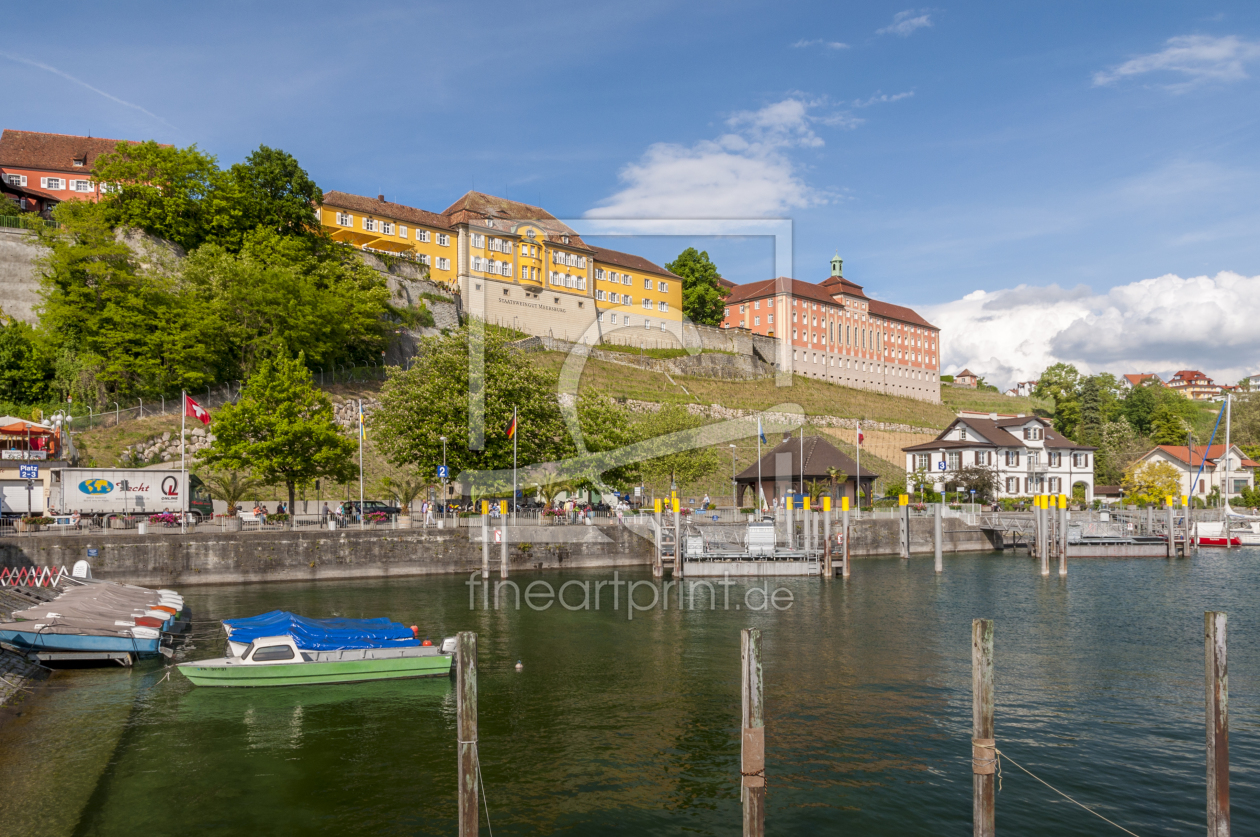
<point x="944" y="150"/>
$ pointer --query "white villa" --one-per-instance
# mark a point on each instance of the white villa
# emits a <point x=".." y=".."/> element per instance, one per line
<point x="1028" y="455"/>
<point x="1204" y="470"/>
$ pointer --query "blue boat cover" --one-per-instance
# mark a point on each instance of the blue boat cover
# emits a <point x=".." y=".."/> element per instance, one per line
<point x="323" y="634"/>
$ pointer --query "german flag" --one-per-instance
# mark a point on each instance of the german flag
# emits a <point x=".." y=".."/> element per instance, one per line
<point x="511" y="429"/>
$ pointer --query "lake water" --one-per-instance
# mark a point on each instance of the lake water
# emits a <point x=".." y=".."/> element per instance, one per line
<point x="621" y="726"/>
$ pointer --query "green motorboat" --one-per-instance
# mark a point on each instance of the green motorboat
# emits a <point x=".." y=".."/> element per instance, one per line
<point x="277" y="661"/>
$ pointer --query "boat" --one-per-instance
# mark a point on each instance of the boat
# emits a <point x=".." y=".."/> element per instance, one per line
<point x="278" y="661"/>
<point x="1241" y="532"/>
<point x="97" y="617"/>
<point x="311" y="634"/>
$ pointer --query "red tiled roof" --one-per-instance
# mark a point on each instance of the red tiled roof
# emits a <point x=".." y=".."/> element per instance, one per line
<point x="897" y="312"/>
<point x="1141" y="377"/>
<point x="823" y="293"/>
<point x="851" y="288"/>
<point x="374" y="206"/>
<point x="1211" y="452"/>
<point x="966" y="373"/>
<point x="631" y="262"/>
<point x="52" y="152"/>
<point x="1189" y="375"/>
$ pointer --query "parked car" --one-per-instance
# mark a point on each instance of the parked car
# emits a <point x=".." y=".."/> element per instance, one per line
<point x="351" y="507"/>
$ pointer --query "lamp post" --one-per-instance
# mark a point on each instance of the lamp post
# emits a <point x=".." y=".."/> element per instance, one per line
<point x="734" y="499"/>
<point x="446" y="494"/>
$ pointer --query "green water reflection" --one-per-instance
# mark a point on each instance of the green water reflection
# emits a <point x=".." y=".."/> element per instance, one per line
<point x="628" y="727"/>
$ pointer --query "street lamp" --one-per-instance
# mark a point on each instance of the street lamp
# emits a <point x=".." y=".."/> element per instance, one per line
<point x="734" y="498"/>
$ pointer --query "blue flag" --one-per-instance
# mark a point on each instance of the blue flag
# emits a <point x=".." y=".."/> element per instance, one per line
<point x="761" y="433"/>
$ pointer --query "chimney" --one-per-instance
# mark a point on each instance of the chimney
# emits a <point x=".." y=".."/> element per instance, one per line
<point x="380" y="198"/>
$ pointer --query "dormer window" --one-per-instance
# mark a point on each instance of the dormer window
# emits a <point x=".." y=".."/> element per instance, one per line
<point x="962" y="433"/>
<point x="80" y="162"/>
<point x="565" y="239"/>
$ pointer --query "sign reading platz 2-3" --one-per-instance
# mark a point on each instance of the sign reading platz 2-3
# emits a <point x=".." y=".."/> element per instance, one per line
<point x="28" y="472"/>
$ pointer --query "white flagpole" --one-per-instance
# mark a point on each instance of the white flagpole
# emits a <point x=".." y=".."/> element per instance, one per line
<point x="361" y="523"/>
<point x="183" y="466"/>
<point x="516" y="431"/>
<point x="858" y="481"/>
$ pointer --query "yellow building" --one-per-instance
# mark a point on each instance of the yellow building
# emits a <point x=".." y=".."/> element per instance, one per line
<point x="517" y="265"/>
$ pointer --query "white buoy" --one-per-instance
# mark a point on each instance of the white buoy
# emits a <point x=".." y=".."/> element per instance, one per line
<point x="520" y="666"/>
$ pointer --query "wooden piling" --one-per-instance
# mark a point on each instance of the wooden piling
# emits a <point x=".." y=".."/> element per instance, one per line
<point x="466" y="731"/>
<point x="752" y="751"/>
<point x="1216" y="682"/>
<point x="983" y="755"/>
<point x="937" y="537"/>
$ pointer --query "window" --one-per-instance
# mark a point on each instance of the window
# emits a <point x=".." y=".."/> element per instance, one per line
<point x="15" y="179"/>
<point x="424" y="258"/>
<point x="599" y="296"/>
<point x="1054" y="459"/>
<point x="962" y="433"/>
<point x="80" y="185"/>
<point x="662" y="306"/>
<point x="756" y="321"/>
<point x="369" y="224"/>
<point x="476" y="263"/>
<point x="613" y="317"/>
<point x="647" y="283"/>
<point x="770" y="319"/>
<point x="647" y="323"/>
<point x="422" y="236"/>
<point x="647" y="303"/>
<point x="1012" y="485"/>
<point x="524" y="272"/>
<point x="1012" y="459"/>
<point x="53" y="183"/>
<point x="444" y="240"/>
<point x="1054" y="484"/>
<point x="663" y="287"/>
<point x="1080" y="460"/>
<point x="953" y="460"/>
<point x="272" y="652"/>
<point x="626" y="299"/>
<point x="984" y="457"/>
<point x="478" y="240"/>
<point x="444" y="264"/>
<point x="387" y="227"/>
<point x="757" y="305"/>
<point x="922" y="461"/>
<point x="626" y="279"/>
<point x="1032" y="433"/>
<point x="1239" y="487"/>
<point x="615" y="298"/>
<point x="599" y="273"/>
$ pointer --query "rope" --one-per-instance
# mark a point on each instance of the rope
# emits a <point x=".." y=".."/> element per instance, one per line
<point x="480" y="782"/>
<point x="1060" y="793"/>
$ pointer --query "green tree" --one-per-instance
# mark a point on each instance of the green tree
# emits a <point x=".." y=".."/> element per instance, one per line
<point x="1061" y="382"/>
<point x="1140" y="404"/>
<point x="281" y="430"/>
<point x="269" y="190"/>
<point x="24" y="373"/>
<point x="703" y="294"/>
<point x="1167" y="428"/>
<point x="1151" y="482"/>
<point x="1097" y="407"/>
<point x="430" y="400"/>
<point x="607" y="427"/>
<point x="1118" y="446"/>
<point x="158" y="188"/>
<point x="681" y="459"/>
<point x="230" y="486"/>
<point x="984" y="481"/>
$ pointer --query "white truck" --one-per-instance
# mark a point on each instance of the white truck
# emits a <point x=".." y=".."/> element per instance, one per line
<point x="110" y="492"/>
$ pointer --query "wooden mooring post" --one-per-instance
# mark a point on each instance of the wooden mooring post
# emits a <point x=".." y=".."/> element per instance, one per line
<point x="1216" y="677"/>
<point x="485" y="539"/>
<point x="845" y="553"/>
<point x="466" y="731"/>
<point x="752" y="751"/>
<point x="503" y="543"/>
<point x="937" y="536"/>
<point x="983" y="746"/>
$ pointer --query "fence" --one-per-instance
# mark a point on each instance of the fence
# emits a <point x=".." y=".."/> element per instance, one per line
<point x="26" y="222"/>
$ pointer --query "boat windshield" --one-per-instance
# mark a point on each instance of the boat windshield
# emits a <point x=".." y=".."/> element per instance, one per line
<point x="245" y="653"/>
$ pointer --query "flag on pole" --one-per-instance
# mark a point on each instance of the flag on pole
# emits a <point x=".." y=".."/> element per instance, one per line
<point x="194" y="410"/>
<point x="511" y="428"/>
<point x="761" y="434"/>
<point x="860" y="437"/>
<point x="362" y="426"/>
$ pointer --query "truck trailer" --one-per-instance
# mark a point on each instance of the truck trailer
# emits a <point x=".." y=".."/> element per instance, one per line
<point x="118" y="492"/>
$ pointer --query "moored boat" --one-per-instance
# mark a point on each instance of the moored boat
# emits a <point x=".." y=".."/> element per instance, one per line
<point x="278" y="661"/>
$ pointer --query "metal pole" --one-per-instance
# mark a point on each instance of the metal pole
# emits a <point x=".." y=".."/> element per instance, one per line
<point x="362" y="522"/>
<point x="1216" y="674"/>
<point x="734" y="498"/>
<point x="503" y="550"/>
<point x="466" y="731"/>
<point x="937" y="537"/>
<point x="1172" y="535"/>
<point x="983" y="757"/>
<point x="1225" y="485"/>
<point x="678" y="550"/>
<point x="658" y="563"/>
<point x="1062" y="536"/>
<point x="752" y="751"/>
<point x="846" y="552"/>
<point x="829" y="567"/>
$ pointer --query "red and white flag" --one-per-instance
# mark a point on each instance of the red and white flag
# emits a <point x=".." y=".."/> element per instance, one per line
<point x="860" y="437"/>
<point x="194" y="410"/>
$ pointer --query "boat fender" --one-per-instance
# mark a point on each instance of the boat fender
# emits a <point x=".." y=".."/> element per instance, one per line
<point x="520" y="666"/>
<point x="427" y="642"/>
<point x="415" y="631"/>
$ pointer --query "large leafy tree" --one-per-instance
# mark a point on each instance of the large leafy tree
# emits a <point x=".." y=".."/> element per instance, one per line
<point x="1167" y="428"/>
<point x="431" y="400"/>
<point x="24" y="372"/>
<point x="682" y="459"/>
<point x="281" y="430"/>
<point x="159" y="188"/>
<point x="1061" y="383"/>
<point x="703" y="294"/>
<point x="1151" y="482"/>
<point x="269" y="190"/>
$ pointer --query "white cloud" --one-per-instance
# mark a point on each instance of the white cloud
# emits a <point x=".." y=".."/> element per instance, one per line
<point x="745" y="173"/>
<point x="1195" y="58"/>
<point x="804" y="44"/>
<point x="881" y="98"/>
<point x="906" y="22"/>
<point x="1154" y="325"/>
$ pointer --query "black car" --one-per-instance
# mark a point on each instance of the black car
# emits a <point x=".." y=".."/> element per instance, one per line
<point x="370" y="507"/>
